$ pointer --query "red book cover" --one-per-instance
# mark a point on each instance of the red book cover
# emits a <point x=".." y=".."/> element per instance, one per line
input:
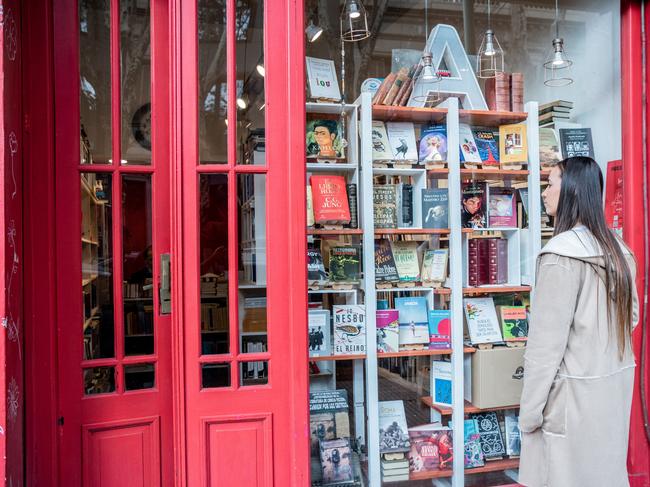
<point x="614" y="196"/>
<point x="498" y="259"/>
<point x="330" y="199"/>
<point x="431" y="448"/>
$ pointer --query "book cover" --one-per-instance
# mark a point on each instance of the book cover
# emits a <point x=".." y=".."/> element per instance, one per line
<point x="328" y="416"/>
<point x="319" y="333"/>
<point x="439" y="328"/>
<point x="442" y="382"/>
<point x="323" y="83"/>
<point x="502" y="207"/>
<point x="490" y="435"/>
<point x="324" y="139"/>
<point x="393" y="432"/>
<point x="517" y="92"/>
<point x="488" y="146"/>
<point x="514" y="323"/>
<point x="401" y="136"/>
<point x="513" y="146"/>
<point x="468" y="147"/>
<point x="406" y="258"/>
<point x="549" y="147"/>
<point x="478" y="263"/>
<point x="400" y="78"/>
<point x="473" y="205"/>
<point x="387" y="330"/>
<point x="379" y="96"/>
<point x="434" y="265"/>
<point x="345" y="263"/>
<point x="330" y="199"/>
<point x="576" y="142"/>
<point x="385" y="269"/>
<point x="433" y="144"/>
<point x="384" y="205"/>
<point x="349" y="323"/>
<point x="381" y="150"/>
<point x="431" y="448"/>
<point x="435" y="208"/>
<point x="352" y="204"/>
<point x="336" y="461"/>
<point x="310" y="208"/>
<point x="405" y="213"/>
<point x="473" y="453"/>
<point x="315" y="267"/>
<point x="413" y="320"/>
<point x="497" y="261"/>
<point x="513" y="435"/>
<point x="482" y="321"/>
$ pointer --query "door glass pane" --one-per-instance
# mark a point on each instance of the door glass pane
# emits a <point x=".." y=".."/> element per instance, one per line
<point x="99" y="380"/>
<point x="135" y="74"/>
<point x="95" y="81"/>
<point x="215" y="375"/>
<point x="212" y="83"/>
<point x="254" y="373"/>
<point x="140" y="376"/>
<point x="213" y="211"/>
<point x="250" y="82"/>
<point x="137" y="264"/>
<point x="96" y="266"/>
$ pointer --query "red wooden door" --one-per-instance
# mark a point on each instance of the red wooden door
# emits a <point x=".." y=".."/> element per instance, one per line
<point x="113" y="225"/>
<point x="243" y="243"/>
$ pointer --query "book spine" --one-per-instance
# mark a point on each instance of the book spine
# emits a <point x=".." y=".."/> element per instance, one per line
<point x="402" y="76"/>
<point x="352" y="203"/>
<point x="472" y="262"/>
<point x="502" y="260"/>
<point x="383" y="90"/>
<point x="483" y="261"/>
<point x="380" y="90"/>
<point x="491" y="94"/>
<point x="502" y="92"/>
<point x="404" y="87"/>
<point x="407" y="204"/>
<point x="517" y="91"/>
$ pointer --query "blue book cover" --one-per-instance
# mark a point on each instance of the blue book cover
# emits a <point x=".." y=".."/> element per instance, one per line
<point x="473" y="452"/>
<point x="442" y="381"/>
<point x="439" y="328"/>
<point x="433" y="144"/>
<point x="488" y="146"/>
<point x="413" y="320"/>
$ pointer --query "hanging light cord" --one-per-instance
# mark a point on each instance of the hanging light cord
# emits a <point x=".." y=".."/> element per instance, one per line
<point x="557" y="21"/>
<point x="489" y="17"/>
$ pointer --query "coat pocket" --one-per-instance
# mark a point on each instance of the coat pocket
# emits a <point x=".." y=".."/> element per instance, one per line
<point x="554" y="415"/>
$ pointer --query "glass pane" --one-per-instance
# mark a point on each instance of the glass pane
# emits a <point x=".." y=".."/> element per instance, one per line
<point x="213" y="210"/>
<point x="254" y="373"/>
<point x="141" y="376"/>
<point x="251" y="102"/>
<point x="212" y="82"/>
<point x="137" y="265"/>
<point x="97" y="265"/>
<point x="215" y="375"/>
<point x="135" y="74"/>
<point x="99" y="380"/>
<point x="95" y="81"/>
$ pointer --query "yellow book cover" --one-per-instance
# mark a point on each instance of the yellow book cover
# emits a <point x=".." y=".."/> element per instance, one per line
<point x="513" y="146"/>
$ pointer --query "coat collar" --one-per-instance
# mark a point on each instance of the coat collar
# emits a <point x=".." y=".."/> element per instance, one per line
<point x="577" y="243"/>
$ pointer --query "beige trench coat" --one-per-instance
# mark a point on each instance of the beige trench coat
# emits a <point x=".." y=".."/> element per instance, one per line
<point x="577" y="393"/>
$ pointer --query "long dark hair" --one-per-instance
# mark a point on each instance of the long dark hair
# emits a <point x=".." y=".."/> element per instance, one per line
<point x="581" y="203"/>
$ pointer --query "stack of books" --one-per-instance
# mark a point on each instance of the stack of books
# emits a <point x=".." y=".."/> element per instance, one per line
<point x="396" y="88"/>
<point x="505" y="92"/>
<point x="555" y="111"/>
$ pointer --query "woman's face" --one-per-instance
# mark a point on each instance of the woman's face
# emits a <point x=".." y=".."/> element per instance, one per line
<point x="551" y="194"/>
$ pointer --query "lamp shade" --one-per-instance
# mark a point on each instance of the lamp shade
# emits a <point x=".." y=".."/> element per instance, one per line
<point x="354" y="21"/>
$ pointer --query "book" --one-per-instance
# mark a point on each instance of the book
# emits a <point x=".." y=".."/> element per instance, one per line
<point x="549" y="147"/>
<point x="406" y="258"/>
<point x="490" y="435"/>
<point x="352" y="205"/>
<point x="345" y="263"/>
<point x="482" y="321"/>
<point x="383" y="89"/>
<point x="431" y="448"/>
<point x="478" y="261"/>
<point x="502" y="207"/>
<point x="401" y="136"/>
<point x="315" y="267"/>
<point x="384" y="205"/>
<point x="497" y="261"/>
<point x="517" y="92"/>
<point x="553" y="116"/>
<point x="413" y="320"/>
<point x="330" y="200"/>
<point x="322" y="81"/>
<point x="474" y="200"/>
<point x="468" y="149"/>
<point x="319" y="333"/>
<point x="435" y="208"/>
<point x="349" y="322"/>
<point x="576" y="142"/>
<point x="514" y="323"/>
<point x="387" y="330"/>
<point x="473" y="452"/>
<point x="488" y="146"/>
<point x="336" y="461"/>
<point x="310" y="208"/>
<point x="328" y="416"/>
<point x="513" y="435"/>
<point x="400" y="78"/>
<point x="441" y="374"/>
<point x="324" y="139"/>
<point x="393" y="432"/>
<point x="404" y="88"/>
<point x="405" y="212"/>
<point x="381" y="150"/>
<point x="554" y="104"/>
<point x="513" y="146"/>
<point x="439" y="328"/>
<point x="385" y="269"/>
<point x="434" y="265"/>
<point x="433" y="144"/>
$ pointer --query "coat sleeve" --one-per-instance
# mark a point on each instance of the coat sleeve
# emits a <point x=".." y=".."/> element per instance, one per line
<point x="553" y="306"/>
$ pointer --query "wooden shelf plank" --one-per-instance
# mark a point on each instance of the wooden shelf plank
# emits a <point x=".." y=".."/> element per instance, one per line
<point x="345" y="231"/>
<point x="490" y="466"/>
<point x="490" y="118"/>
<point x="434" y="474"/>
<point x="411" y="231"/>
<point x="493" y="173"/>
<point x="408" y="114"/>
<point x="469" y="291"/>
<point x="337" y="357"/>
<point x="419" y="353"/>
<point x="469" y="407"/>
<point x="438" y="173"/>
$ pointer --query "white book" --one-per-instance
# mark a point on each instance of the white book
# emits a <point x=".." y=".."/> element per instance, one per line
<point x="482" y="321"/>
<point x="442" y="382"/>
<point x="468" y="144"/>
<point x="349" y="323"/>
<point x="323" y="84"/>
<point x="434" y="265"/>
<point x="401" y="136"/>
<point x="381" y="150"/>
<point x="393" y="431"/>
<point x="319" y="333"/>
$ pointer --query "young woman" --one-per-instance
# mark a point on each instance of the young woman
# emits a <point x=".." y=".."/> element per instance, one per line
<point x="579" y="364"/>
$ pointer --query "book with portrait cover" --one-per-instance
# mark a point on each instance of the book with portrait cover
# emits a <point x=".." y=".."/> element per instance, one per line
<point x="413" y="320"/>
<point x="319" y="333"/>
<point x="435" y="208"/>
<point x="473" y="205"/>
<point x="433" y="144"/>
<point x="393" y="432"/>
<point x="330" y="199"/>
<point x="387" y="330"/>
<point x="349" y="321"/>
<point x="336" y="462"/>
<point x="385" y="269"/>
<point x="502" y="207"/>
<point x="325" y="139"/>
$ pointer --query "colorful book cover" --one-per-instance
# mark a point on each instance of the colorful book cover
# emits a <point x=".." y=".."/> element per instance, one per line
<point x="319" y="333"/>
<point x="549" y="147"/>
<point x="439" y="328"/>
<point x="401" y="136"/>
<point x="473" y="453"/>
<point x="442" y="382"/>
<point x="345" y="263"/>
<point x="514" y="323"/>
<point x="502" y="207"/>
<point x="435" y="208"/>
<point x="385" y="269"/>
<point x="387" y="330"/>
<point x="431" y="448"/>
<point x="328" y="416"/>
<point x="433" y="144"/>
<point x="482" y="321"/>
<point x="384" y="204"/>
<point x="315" y="267"/>
<point x="336" y="461"/>
<point x="413" y="320"/>
<point x="490" y="435"/>
<point x="468" y="149"/>
<point x="576" y="142"/>
<point x="325" y="139"/>
<point x="488" y="146"/>
<point x="381" y="150"/>
<point x="473" y="205"/>
<point x="406" y="258"/>
<point x="513" y="146"/>
<point x="330" y="199"/>
<point x="434" y="265"/>
<point x="393" y="432"/>
<point x="349" y="323"/>
<point x="513" y="435"/>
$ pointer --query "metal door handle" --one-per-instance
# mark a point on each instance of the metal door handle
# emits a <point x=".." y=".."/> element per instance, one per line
<point x="165" y="290"/>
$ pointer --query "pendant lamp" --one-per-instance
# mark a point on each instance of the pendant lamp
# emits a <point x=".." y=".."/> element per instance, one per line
<point x="557" y="66"/>
<point x="489" y="60"/>
<point x="426" y="78"/>
<point x="354" y="21"/>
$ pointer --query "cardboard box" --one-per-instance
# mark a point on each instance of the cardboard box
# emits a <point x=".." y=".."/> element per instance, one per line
<point x="497" y="377"/>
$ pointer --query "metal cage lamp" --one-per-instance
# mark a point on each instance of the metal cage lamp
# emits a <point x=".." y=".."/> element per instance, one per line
<point x="354" y="21"/>
<point x="489" y="60"/>
<point x="557" y="70"/>
<point x="427" y="82"/>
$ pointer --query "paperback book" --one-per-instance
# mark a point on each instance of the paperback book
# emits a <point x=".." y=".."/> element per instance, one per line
<point x="473" y="207"/>
<point x="488" y="147"/>
<point x="442" y="382"/>
<point x="324" y="139"/>
<point x="401" y="136"/>
<point x="514" y="323"/>
<point x="413" y="320"/>
<point x="328" y="416"/>
<point x="576" y="142"/>
<point x="315" y="267"/>
<point x="406" y="258"/>
<point x="345" y="263"/>
<point x="439" y="328"/>
<point x="435" y="208"/>
<point x="381" y="150"/>
<point x="349" y="329"/>
<point x="310" y="207"/>
<point x="434" y="266"/>
<point x="549" y="147"/>
<point x="385" y="269"/>
<point x="513" y="435"/>
<point x="330" y="199"/>
<point x="490" y="435"/>
<point x="431" y="448"/>
<point x="433" y="144"/>
<point x="502" y="207"/>
<point x="393" y="432"/>
<point x="384" y="203"/>
<point x="482" y="321"/>
<point x="473" y="452"/>
<point x="387" y="330"/>
<point x="336" y="461"/>
<point x="319" y="333"/>
<point x="468" y="150"/>
<point x="513" y="146"/>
